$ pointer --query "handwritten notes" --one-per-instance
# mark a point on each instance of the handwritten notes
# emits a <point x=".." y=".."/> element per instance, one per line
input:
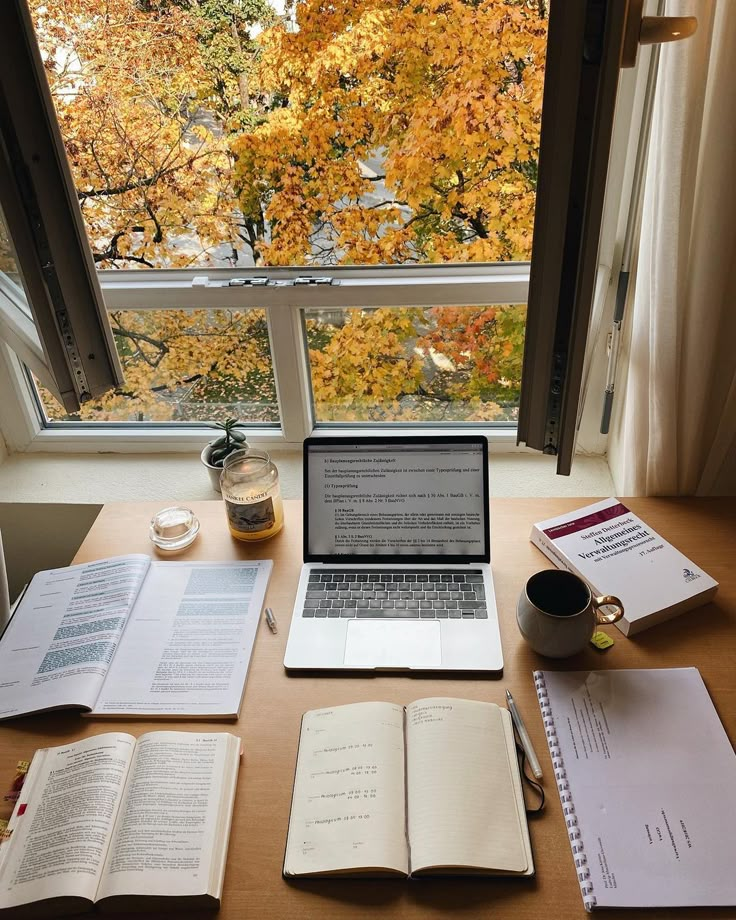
<point x="348" y="806"/>
<point x="457" y="806"/>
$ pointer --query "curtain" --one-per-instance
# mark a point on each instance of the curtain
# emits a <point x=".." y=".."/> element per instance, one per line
<point x="674" y="431"/>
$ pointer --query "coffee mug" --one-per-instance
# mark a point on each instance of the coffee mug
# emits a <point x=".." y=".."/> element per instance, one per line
<point x="557" y="613"/>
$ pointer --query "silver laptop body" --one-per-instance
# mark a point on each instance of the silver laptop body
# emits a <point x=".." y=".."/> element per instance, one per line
<point x="407" y="519"/>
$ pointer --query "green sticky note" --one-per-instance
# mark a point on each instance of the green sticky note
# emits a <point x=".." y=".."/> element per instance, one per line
<point x="601" y="640"/>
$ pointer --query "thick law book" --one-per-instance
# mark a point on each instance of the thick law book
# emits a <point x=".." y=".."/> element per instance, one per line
<point x="647" y="780"/>
<point x="432" y="788"/>
<point x="615" y="552"/>
<point x="122" y="824"/>
<point x="130" y="636"/>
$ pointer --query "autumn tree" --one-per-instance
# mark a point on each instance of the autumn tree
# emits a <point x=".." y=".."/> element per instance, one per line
<point x="143" y="113"/>
<point x="355" y="132"/>
<point x="408" y="134"/>
<point x="225" y="32"/>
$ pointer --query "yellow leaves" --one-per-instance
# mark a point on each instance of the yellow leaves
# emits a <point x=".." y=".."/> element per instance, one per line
<point x="167" y="355"/>
<point x="366" y="362"/>
<point x="126" y="82"/>
<point x="444" y="98"/>
<point x="378" y="132"/>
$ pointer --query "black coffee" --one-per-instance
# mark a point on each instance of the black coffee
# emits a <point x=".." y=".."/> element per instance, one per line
<point x="558" y="593"/>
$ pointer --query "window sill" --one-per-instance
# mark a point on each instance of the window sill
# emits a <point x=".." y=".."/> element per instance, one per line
<point x="83" y="440"/>
<point x="84" y="478"/>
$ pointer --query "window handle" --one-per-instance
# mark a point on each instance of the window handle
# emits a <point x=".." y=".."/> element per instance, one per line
<point x="652" y="30"/>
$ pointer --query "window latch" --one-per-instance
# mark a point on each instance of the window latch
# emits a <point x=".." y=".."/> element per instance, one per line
<point x="260" y="281"/>
<point x="264" y="281"/>
<point x="313" y="279"/>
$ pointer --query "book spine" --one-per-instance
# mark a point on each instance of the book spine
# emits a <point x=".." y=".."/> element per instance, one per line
<point x="563" y="787"/>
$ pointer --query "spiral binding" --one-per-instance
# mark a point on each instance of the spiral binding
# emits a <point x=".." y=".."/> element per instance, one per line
<point x="563" y="787"/>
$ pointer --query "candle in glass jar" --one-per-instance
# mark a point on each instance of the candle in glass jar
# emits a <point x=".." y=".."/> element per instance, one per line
<point x="250" y="488"/>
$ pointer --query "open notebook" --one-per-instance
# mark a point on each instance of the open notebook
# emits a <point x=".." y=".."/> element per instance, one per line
<point x="432" y="788"/>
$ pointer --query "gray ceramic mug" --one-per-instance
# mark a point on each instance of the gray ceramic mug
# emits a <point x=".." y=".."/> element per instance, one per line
<point x="557" y="613"/>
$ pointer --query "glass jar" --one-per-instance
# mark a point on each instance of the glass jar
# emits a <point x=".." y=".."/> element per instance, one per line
<point x="250" y="486"/>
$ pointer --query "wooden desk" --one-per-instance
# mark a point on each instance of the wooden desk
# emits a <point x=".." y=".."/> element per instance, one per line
<point x="704" y="529"/>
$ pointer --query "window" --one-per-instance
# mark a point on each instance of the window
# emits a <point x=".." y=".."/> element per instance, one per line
<point x="580" y="97"/>
<point x="318" y="216"/>
<point x="45" y="231"/>
<point x="212" y="148"/>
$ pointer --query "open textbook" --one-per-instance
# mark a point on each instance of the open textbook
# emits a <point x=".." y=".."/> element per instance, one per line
<point x="431" y="788"/>
<point x="131" y="825"/>
<point x="129" y="636"/>
<point x="647" y="779"/>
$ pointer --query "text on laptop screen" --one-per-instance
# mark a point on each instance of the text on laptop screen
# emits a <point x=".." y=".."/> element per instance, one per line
<point x="403" y="499"/>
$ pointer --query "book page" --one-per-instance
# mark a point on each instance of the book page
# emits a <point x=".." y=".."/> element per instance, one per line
<point x="59" y="644"/>
<point x="188" y="641"/>
<point x="63" y="820"/>
<point x="347" y="812"/>
<point x="174" y="818"/>
<point x="462" y="804"/>
<point x="650" y="776"/>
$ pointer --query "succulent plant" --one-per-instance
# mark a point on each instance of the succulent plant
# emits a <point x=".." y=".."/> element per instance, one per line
<point x="233" y="439"/>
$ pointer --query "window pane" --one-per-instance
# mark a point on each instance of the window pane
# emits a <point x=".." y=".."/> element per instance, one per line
<point x="356" y="131"/>
<point x="186" y="365"/>
<point x="433" y="364"/>
<point x="8" y="264"/>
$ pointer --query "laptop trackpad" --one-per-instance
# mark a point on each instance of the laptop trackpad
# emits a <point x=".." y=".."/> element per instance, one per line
<point x="393" y="644"/>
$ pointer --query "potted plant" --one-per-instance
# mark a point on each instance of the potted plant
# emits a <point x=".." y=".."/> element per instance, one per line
<point x="214" y="453"/>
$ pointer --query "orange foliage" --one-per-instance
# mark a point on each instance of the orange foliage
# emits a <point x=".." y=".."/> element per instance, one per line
<point x="375" y="132"/>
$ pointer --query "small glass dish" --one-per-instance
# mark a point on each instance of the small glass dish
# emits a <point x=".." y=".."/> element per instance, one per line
<point x="173" y="529"/>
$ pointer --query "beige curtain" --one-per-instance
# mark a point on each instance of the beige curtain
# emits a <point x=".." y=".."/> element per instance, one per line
<point x="674" y="430"/>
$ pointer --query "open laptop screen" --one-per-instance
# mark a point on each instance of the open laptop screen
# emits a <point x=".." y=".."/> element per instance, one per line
<point x="423" y="499"/>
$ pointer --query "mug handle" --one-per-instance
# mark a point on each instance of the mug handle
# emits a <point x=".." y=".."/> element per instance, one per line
<point x="606" y="600"/>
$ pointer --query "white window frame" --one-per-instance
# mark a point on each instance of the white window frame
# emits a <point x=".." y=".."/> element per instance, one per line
<point x="284" y="298"/>
<point x="21" y="424"/>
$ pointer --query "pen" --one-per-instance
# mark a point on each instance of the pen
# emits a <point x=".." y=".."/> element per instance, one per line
<point x="270" y="619"/>
<point x="526" y="741"/>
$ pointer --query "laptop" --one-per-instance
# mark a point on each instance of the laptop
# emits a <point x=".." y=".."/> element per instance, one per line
<point x="396" y="573"/>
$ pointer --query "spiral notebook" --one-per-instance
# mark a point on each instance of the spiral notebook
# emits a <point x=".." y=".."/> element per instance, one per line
<point x="647" y="780"/>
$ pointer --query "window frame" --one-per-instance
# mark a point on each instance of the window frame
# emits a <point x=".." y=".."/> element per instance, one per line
<point x="23" y="429"/>
<point x="284" y="299"/>
<point x="77" y="358"/>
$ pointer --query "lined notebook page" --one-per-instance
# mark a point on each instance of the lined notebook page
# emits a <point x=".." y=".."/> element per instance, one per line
<point x="348" y="808"/>
<point x="463" y="805"/>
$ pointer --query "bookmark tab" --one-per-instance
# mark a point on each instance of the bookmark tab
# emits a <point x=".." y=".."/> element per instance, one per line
<point x="21" y="769"/>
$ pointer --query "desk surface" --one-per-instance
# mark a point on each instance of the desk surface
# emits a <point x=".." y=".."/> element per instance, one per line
<point x="704" y="529"/>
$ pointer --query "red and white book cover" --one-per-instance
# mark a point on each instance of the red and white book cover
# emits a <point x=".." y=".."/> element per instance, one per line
<point x="615" y="552"/>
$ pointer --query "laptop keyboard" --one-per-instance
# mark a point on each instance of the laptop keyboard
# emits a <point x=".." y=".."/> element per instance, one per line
<point x="397" y="594"/>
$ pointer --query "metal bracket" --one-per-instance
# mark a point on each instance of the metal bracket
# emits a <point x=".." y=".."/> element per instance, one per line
<point x="308" y="279"/>
<point x="260" y="281"/>
<point x="203" y="281"/>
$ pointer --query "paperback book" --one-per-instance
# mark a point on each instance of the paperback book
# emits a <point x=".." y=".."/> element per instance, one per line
<point x="120" y="824"/>
<point x="616" y="552"/>
<point x="134" y="637"/>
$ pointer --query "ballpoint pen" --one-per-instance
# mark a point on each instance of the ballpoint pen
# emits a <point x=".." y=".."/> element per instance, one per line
<point x="526" y="741"/>
<point x="270" y="619"/>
